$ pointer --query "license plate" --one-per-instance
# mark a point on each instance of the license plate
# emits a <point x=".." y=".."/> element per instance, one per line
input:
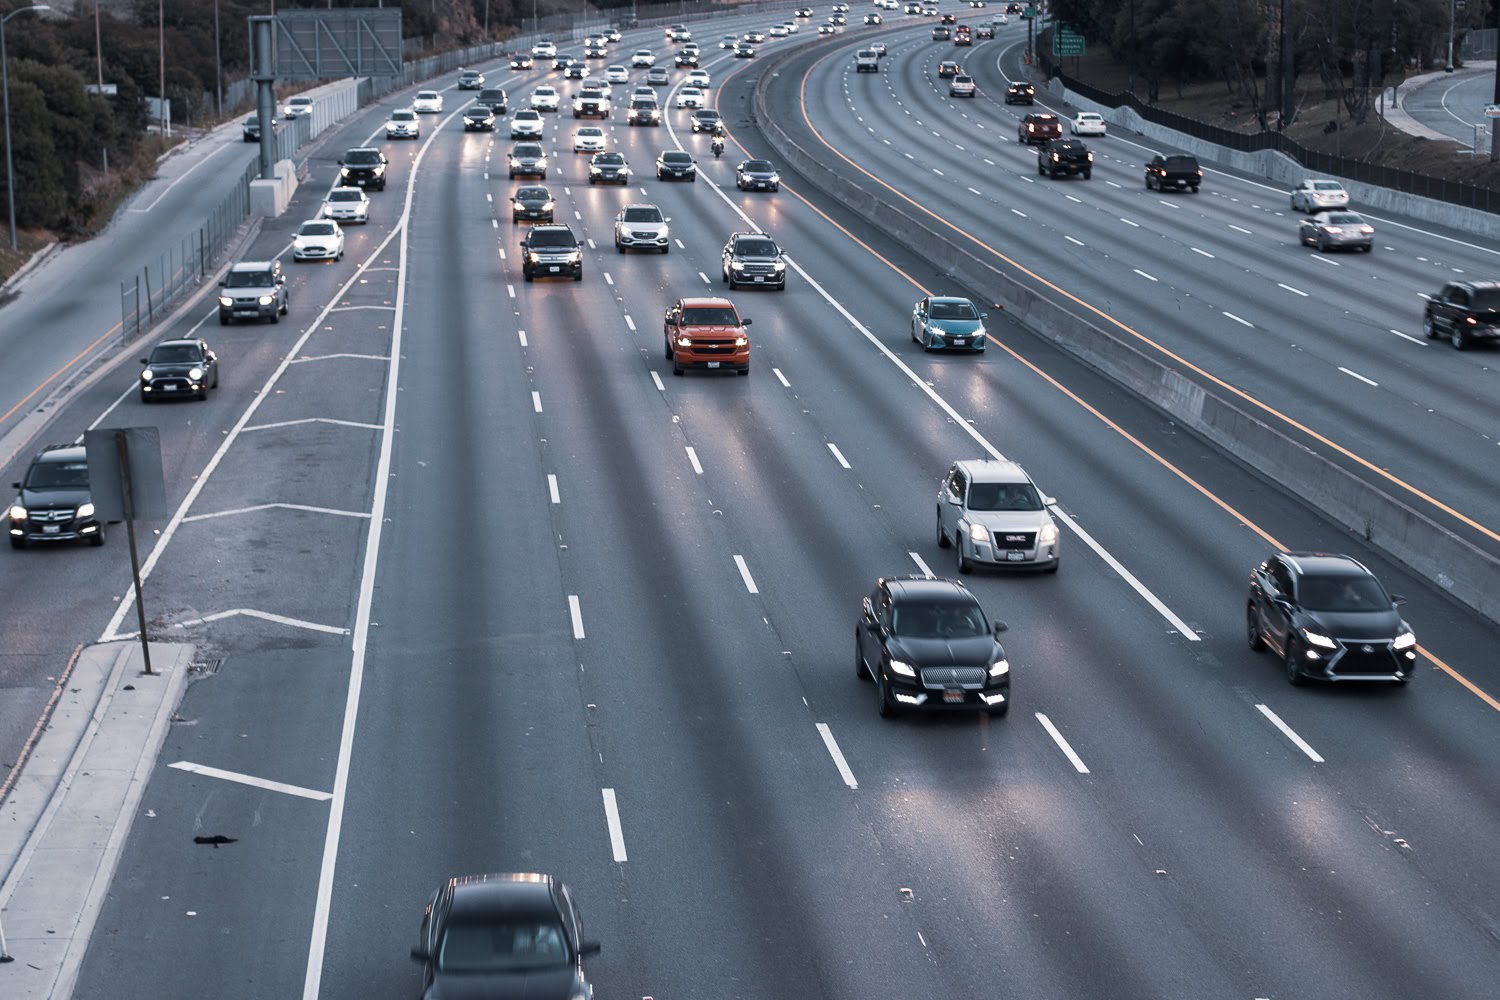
<point x="713" y="364"/>
<point x="246" y="312"/>
<point x="554" y="269"/>
<point x="51" y="529"/>
<point x="961" y="342"/>
<point x="953" y="696"/>
<point x="169" y="388"/>
<point x="1015" y="556"/>
<point x="760" y="277"/>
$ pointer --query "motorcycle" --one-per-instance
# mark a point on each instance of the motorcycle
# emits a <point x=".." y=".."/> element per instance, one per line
<point x="717" y="146"/>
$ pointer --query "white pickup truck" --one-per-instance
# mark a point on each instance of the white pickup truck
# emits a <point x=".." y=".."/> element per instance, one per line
<point x="867" y="61"/>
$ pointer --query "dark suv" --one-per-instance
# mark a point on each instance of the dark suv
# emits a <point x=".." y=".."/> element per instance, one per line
<point x="494" y="98"/>
<point x="55" y="504"/>
<point x="253" y="289"/>
<point x="363" y="167"/>
<point x="1064" y="156"/>
<point x="548" y="250"/>
<point x="1020" y="93"/>
<point x="1328" y="618"/>
<point x="1465" y="311"/>
<point x="927" y="644"/>
<point x="1039" y="127"/>
<point x="753" y="259"/>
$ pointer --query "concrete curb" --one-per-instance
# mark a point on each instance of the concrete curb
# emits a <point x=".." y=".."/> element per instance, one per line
<point x="1468" y="573"/>
<point x="33" y="262"/>
<point x="64" y="825"/>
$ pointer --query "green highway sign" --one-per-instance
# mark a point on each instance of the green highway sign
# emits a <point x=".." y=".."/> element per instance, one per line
<point x="1066" y="42"/>
<point x="1028" y="11"/>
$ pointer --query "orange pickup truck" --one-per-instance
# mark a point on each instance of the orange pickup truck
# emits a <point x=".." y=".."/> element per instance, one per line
<point x="706" y="332"/>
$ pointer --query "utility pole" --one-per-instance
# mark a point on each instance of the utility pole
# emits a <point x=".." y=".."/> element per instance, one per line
<point x="1452" y="17"/>
<point x="161" y="56"/>
<point x="98" y="47"/>
<point x="218" y="67"/>
<point x="1130" y="86"/>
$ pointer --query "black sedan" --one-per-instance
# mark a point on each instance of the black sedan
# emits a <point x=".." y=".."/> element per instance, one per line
<point x="674" y="163"/>
<point x="503" y="937"/>
<point x="521" y="61"/>
<point x="1328" y="618"/>
<point x="178" y="368"/>
<point x="927" y="644"/>
<point x="706" y="120"/>
<point x="532" y="203"/>
<point x="608" y="168"/>
<point x="757" y="175"/>
<point x="479" y="118"/>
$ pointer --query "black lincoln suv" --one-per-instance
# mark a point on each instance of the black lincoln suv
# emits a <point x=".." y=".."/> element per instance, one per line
<point x="54" y="503"/>
<point x="1328" y="618"/>
<point x="927" y="644"/>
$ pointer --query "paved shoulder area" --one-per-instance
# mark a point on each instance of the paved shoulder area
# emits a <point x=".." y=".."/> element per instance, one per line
<point x="1443" y="105"/>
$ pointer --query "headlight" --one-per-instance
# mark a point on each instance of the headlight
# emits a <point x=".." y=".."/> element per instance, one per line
<point x="1056" y="156"/>
<point x="684" y="342"/>
<point x="596" y="170"/>
<point x="1048" y="534"/>
<point x="1091" y="157"/>
<point x="1367" y="230"/>
<point x="931" y="328"/>
<point x="775" y="178"/>
<point x="741" y="341"/>
<point x="535" y="257"/>
<point x="343" y="171"/>
<point x="979" y="533"/>
<point x="225" y="300"/>
<point x="1404" y="641"/>
<point x="17" y="512"/>
<point x="86" y="510"/>
<point x="1000" y="669"/>
<point x="195" y="374"/>
<point x="1333" y="229"/>
<point x="514" y="163"/>
<point x="904" y="669"/>
<point x="266" y="300"/>
<point x="1317" y="639"/>
<point x="147" y="375"/>
<point x="780" y="267"/>
<point x="547" y="207"/>
<point x="575" y="256"/>
<point x="738" y="265"/>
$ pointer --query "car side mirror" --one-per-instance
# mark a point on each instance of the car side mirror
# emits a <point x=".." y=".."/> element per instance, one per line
<point x="1001" y="627"/>
<point x="667" y="219"/>
<point x="1048" y="501"/>
<point x="224" y="284"/>
<point x="420" y="955"/>
<point x="15" y="486"/>
<point x="869" y="608"/>
<point x="580" y="244"/>
<point x="746" y="321"/>
<point x="589" y="948"/>
<point x="341" y="163"/>
<point x="145" y="361"/>
<point x="1397" y="600"/>
<point x="955" y="501"/>
<point x="984" y="315"/>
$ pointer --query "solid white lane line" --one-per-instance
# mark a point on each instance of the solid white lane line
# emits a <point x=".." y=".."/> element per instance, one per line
<point x="837" y="755"/>
<point x="921" y="564"/>
<point x="745" y="574"/>
<point x="252" y="781"/>
<point x="1406" y="336"/>
<point x="780" y="377"/>
<point x="522" y="334"/>
<point x="1204" y="253"/>
<point x="1366" y="381"/>
<point x="1286" y="731"/>
<point x="612" y="820"/>
<point x="575" y="612"/>
<point x="536" y="402"/>
<point x="1243" y="322"/>
<point x="1240" y="229"/>
<point x="1072" y="240"/>
<point x="657" y="379"/>
<point x="693" y="457"/>
<point x="839" y="455"/>
<point x="1144" y="274"/>
<point x="630" y="323"/>
<point x="1057" y="738"/>
<point x="1129" y="577"/>
<point x="552" y="488"/>
<point x="1294" y="291"/>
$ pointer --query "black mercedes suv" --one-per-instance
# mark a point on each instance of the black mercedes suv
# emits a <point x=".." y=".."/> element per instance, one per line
<point x="548" y="250"/>
<point x="753" y="259"/>
<point x="54" y="504"/>
<point x="1328" y="618"/>
<point x="927" y="644"/>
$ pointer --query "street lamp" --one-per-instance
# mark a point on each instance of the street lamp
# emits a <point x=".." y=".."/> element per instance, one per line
<point x="10" y="174"/>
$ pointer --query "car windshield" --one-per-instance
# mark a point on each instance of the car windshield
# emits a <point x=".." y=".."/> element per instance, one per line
<point x="57" y="475"/>
<point x="642" y="215"/>
<point x="552" y="238"/>
<point x="959" y="81"/>
<point x="426" y="95"/>
<point x="362" y="157"/>
<point x="491" y="95"/>
<point x="403" y="116"/>
<point x="1327" y="186"/>
<point x="528" y="115"/>
<point x="253" y="120"/>
<point x="1343" y="218"/>
<point x="248" y="279"/>
<point x="527" y="149"/>
<point x="532" y="194"/>
<point x="676" y="158"/>
<point x="353" y="194"/>
<point x="1004" y="496"/>
<point x="478" y="111"/>
<point x="501" y="945"/>
<point x="1181" y="163"/>
<point x="546" y="92"/>
<point x="316" y="229"/>
<point x="953" y="310"/>
<point x="710" y="316"/>
<point x="757" y="248"/>
<point x="175" y="354"/>
<point x="1487" y="298"/>
<point x="757" y="166"/>
<point x="937" y="619"/>
<point x="706" y="115"/>
<point x="299" y="102"/>
<point x="1343" y="593"/>
<point x="609" y="159"/>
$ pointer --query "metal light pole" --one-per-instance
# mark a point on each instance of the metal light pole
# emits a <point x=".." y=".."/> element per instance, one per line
<point x="161" y="56"/>
<point x="218" y="67"/>
<point x="10" y="173"/>
<point x="1452" y="16"/>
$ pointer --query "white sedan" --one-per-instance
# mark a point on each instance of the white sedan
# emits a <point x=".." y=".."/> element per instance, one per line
<point x="690" y="97"/>
<point x="298" y="107"/>
<point x="428" y="102"/>
<point x="643" y="59"/>
<point x="544" y="50"/>
<point x="1316" y="195"/>
<point x="617" y="74"/>
<point x="527" y="124"/>
<point x="403" y="124"/>
<point x="545" y="99"/>
<point x="1088" y="123"/>
<point x="588" y="139"/>
<point x="347" y="204"/>
<point x="697" y="78"/>
<point x="318" y="239"/>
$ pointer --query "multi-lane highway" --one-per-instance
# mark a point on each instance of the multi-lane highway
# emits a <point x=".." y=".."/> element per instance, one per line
<point x="602" y="618"/>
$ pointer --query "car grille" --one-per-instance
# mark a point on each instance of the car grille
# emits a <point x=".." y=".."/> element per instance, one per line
<point x="50" y="516"/>
<point x="713" y="347"/>
<point x="752" y="268"/>
<point x="1015" y="539"/>
<point x="638" y="235"/>
<point x="241" y="302"/>
<point x="941" y="677"/>
<point x="1364" y="657"/>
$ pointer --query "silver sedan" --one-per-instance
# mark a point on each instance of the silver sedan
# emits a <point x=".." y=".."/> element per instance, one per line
<point x="1328" y="230"/>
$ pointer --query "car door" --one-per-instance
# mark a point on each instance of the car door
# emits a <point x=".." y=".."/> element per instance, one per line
<point x="919" y="320"/>
<point x="1279" y="594"/>
<point x="1453" y="305"/>
<point x="951" y="502"/>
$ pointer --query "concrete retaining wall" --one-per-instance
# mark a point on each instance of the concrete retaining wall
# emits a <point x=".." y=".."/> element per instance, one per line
<point x="1465" y="571"/>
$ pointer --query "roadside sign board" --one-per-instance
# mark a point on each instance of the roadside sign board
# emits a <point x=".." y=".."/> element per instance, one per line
<point x="1028" y="11"/>
<point x="1492" y="110"/>
<point x="1066" y="42"/>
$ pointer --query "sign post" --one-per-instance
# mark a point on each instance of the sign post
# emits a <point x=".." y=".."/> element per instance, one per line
<point x="126" y="482"/>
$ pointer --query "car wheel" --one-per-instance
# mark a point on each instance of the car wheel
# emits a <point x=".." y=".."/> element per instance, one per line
<point x="1428" y="327"/>
<point x="745" y="371"/>
<point x="692" y="178"/>
<point x="667" y="349"/>
<point x="526" y="275"/>
<point x="97" y="538"/>
<point x="666" y="248"/>
<point x="883" y="704"/>
<point x="145" y="399"/>
<point x="676" y="370"/>
<point x="16" y="542"/>
<point x="1088" y="174"/>
<point x="578" y="274"/>
<point x="1148" y="183"/>
<point x="1040" y="170"/>
<point x="775" y="188"/>
<point x="1252" y="629"/>
<point x="1368" y="247"/>
<point x="964" y="565"/>
<point x="620" y="247"/>
<point x="1458" y="338"/>
<point x="1195" y="189"/>
<point x="514" y="221"/>
<point x="223" y="320"/>
<point x="275" y="317"/>
<point x="1000" y="713"/>
<point x="1293" y="672"/>
<point x="1322" y="246"/>
<point x="942" y="536"/>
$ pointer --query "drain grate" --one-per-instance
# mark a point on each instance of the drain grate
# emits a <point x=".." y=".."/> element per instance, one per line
<point x="207" y="667"/>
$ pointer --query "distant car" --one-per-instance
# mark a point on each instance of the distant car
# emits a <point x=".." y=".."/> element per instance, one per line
<point x="643" y="112"/>
<point x="643" y="59"/>
<point x="549" y="250"/>
<point x="1177" y="170"/>
<point x="674" y="164"/>
<point x="754" y="37"/>
<point x="879" y="49"/>
<point x="804" y="12"/>
<point x="1088" y="123"/>
<point x="689" y="97"/>
<point x="992" y="514"/>
<point x="251" y="128"/>
<point x="363" y="167"/>
<point x="642" y="227"/>
<point x="944" y="323"/>
<point x="608" y="168"/>
<point x="545" y="99"/>
<point x="753" y="259"/>
<point x="1465" y="311"/>
<point x="561" y="62"/>
<point x="528" y="159"/>
<point x="591" y="102"/>
<point x="927" y="644"/>
<point x="347" y="204"/>
<point x="697" y="78"/>
<point x="744" y="50"/>
<point x="706" y="120"/>
<point x="427" y="102"/>
<point x="522" y="60"/>
<point x="576" y="71"/>
<point x="54" y="503"/>
<point x="403" y="124"/>
<point x="1317" y="195"/>
<point x="1336" y="230"/>
<point x="495" y="99"/>
<point x="757" y="175"/>
<point x="531" y="203"/>
<point x="179" y="368"/>
<point x="1020" y="92"/>
<point x="1039" y="127"/>
<point x="527" y="124"/>
<point x="1329" y="619"/>
<point x="983" y="31"/>
<point x="318" y="239"/>
<point x="679" y="33"/>
<point x="253" y="289"/>
<point x="827" y="29"/>
<point x="686" y="60"/>
<point x="779" y="31"/>
<point x="503" y="936"/>
<point x="470" y="79"/>
<point x="962" y="86"/>
<point x="544" y="50"/>
<point x="657" y="76"/>
<point x="940" y="33"/>
<point x="874" y="19"/>
<point x="947" y="69"/>
<point x="298" y="107"/>
<point x="588" y="139"/>
<point x="963" y="36"/>
<point x="617" y="74"/>
<point x="1064" y="157"/>
<point x="1001" y="19"/>
<point x="729" y="41"/>
<point x="479" y="118"/>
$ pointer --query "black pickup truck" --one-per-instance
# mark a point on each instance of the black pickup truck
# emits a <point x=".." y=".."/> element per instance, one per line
<point x="1064" y="156"/>
<point x="1176" y="171"/>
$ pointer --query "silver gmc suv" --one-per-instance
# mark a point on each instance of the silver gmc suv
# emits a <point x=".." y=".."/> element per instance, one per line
<point x="992" y="513"/>
<point x="253" y="290"/>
